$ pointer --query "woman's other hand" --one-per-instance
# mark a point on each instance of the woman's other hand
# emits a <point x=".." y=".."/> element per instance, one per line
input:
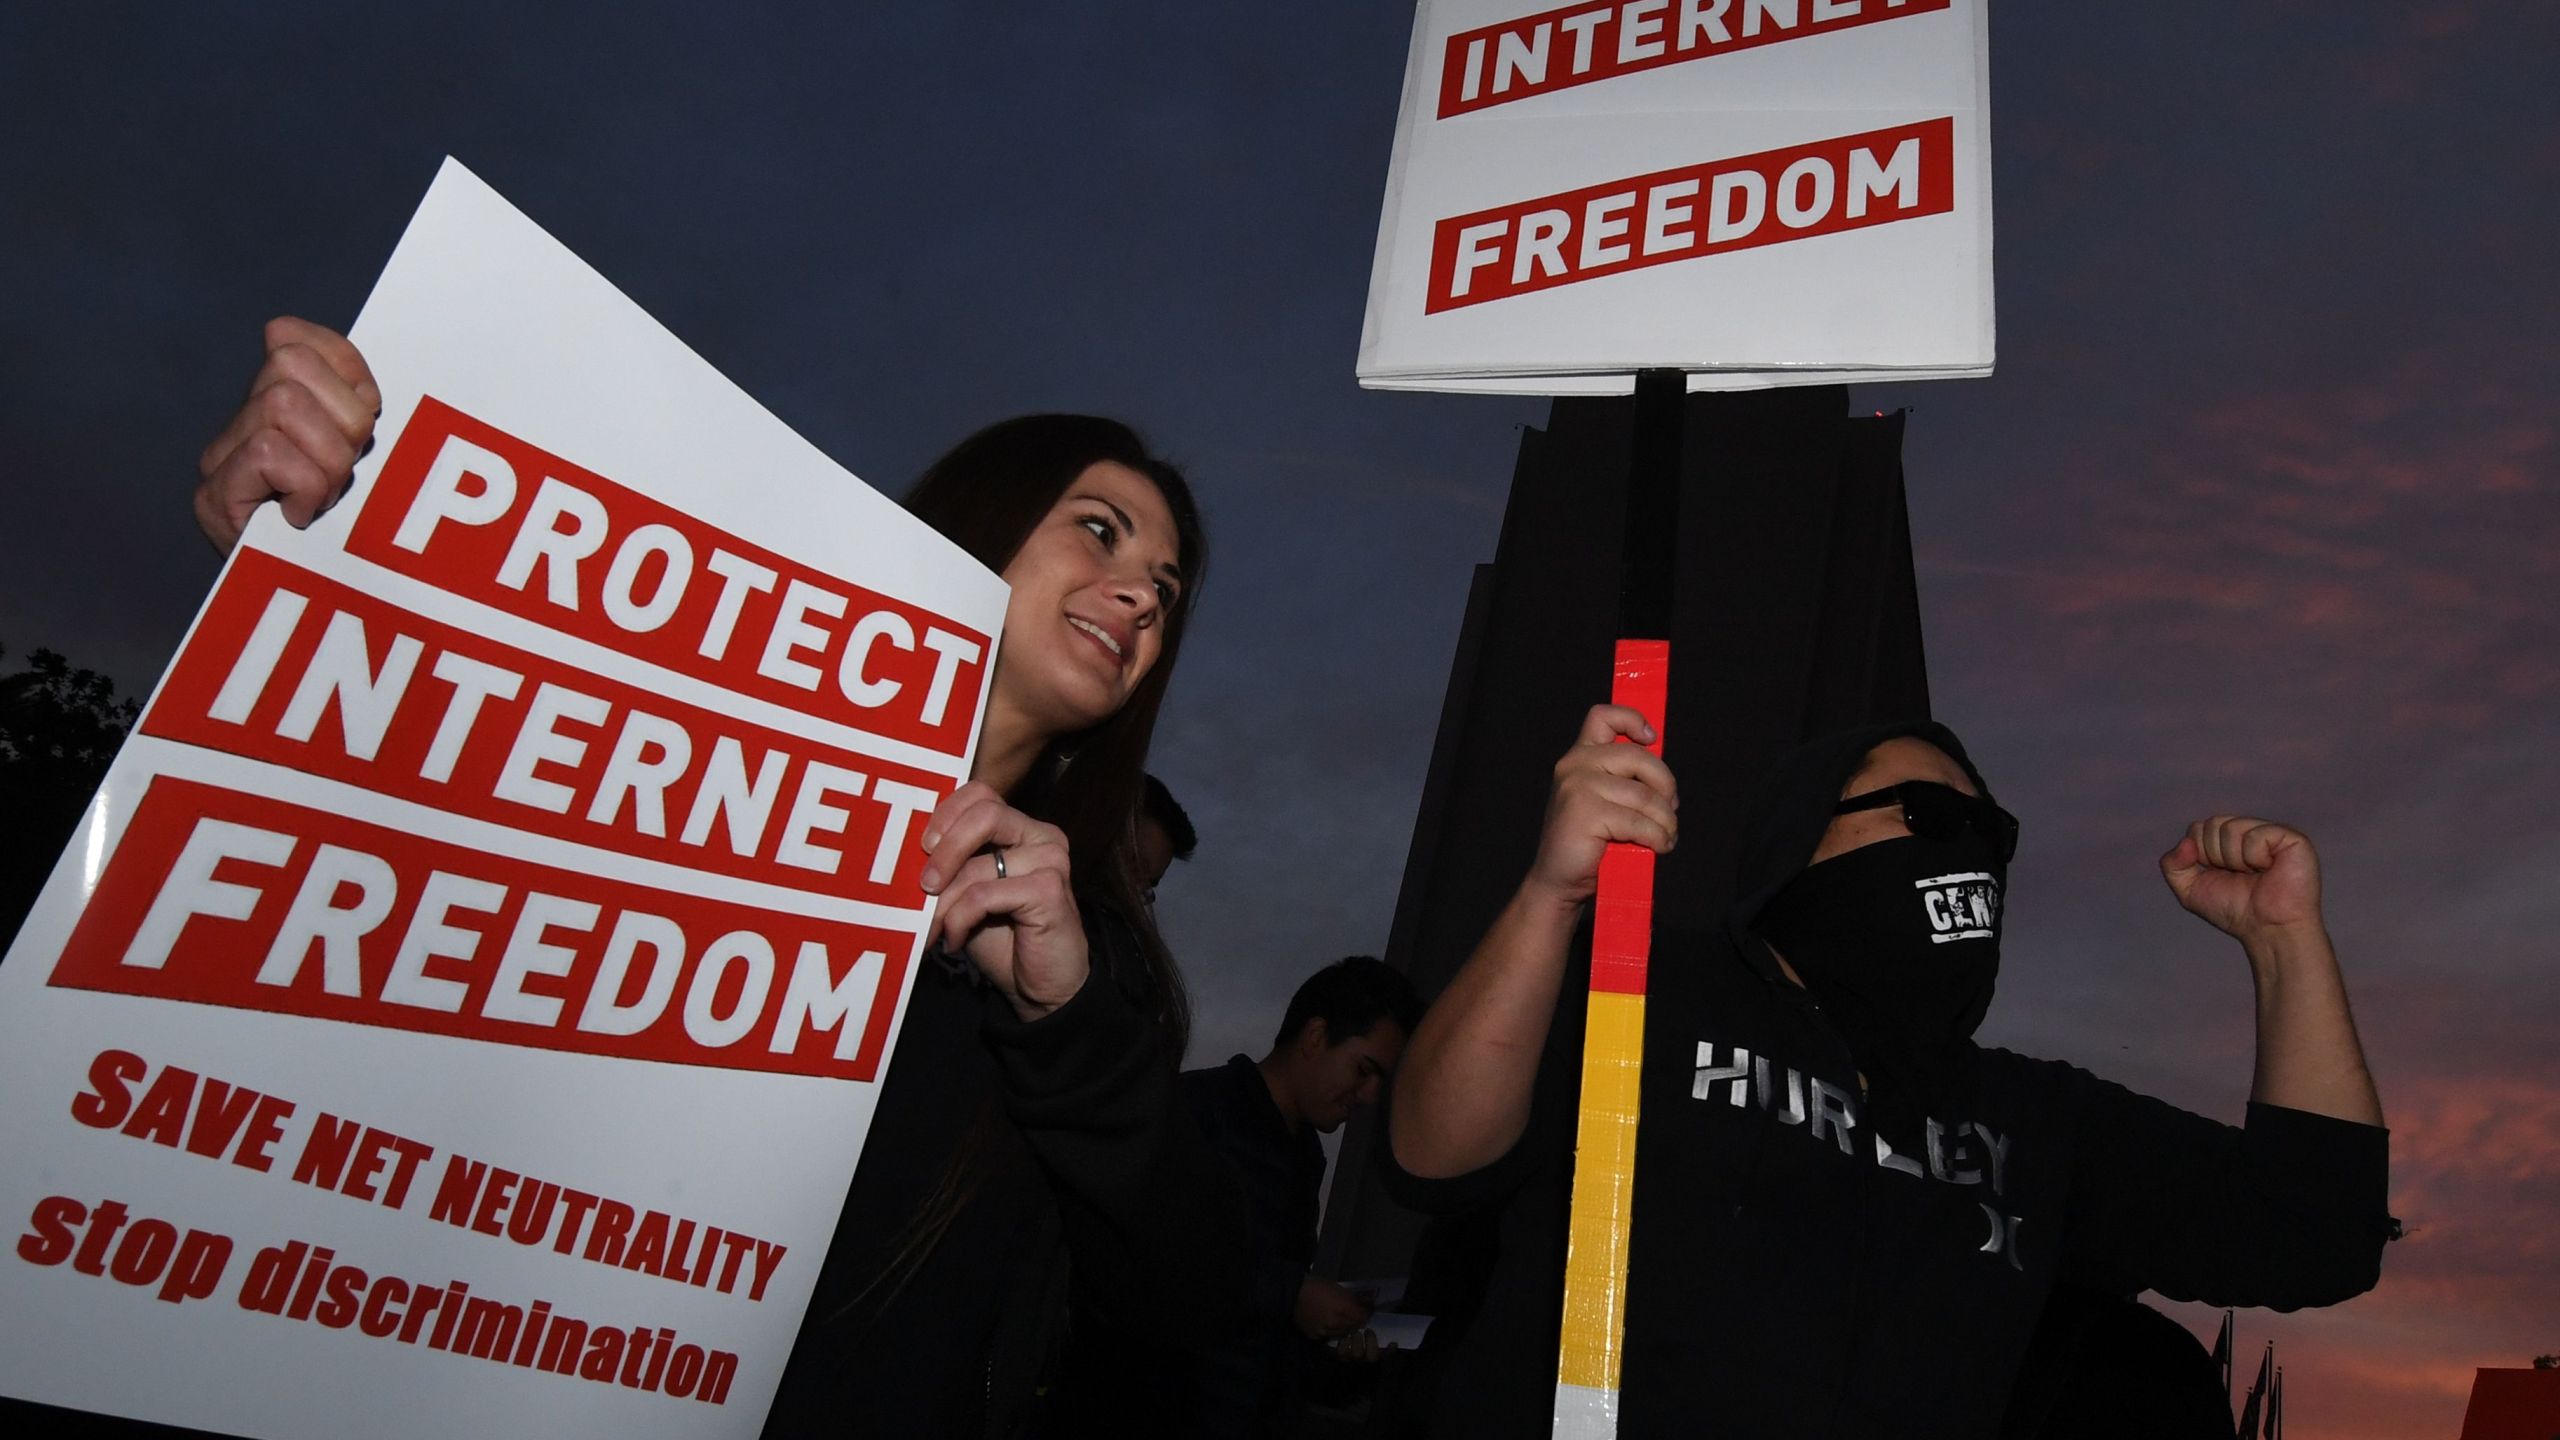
<point x="1020" y="928"/>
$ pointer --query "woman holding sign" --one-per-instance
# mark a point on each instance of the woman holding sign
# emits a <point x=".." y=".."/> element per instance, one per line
<point x="1032" y="1192"/>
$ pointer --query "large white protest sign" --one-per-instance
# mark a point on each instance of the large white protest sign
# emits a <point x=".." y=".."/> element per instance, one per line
<point x="1761" y="192"/>
<point x="463" y="1006"/>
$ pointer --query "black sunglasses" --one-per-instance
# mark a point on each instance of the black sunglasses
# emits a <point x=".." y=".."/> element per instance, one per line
<point x="1936" y="810"/>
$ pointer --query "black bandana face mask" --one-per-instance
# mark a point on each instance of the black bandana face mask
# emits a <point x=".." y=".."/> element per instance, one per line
<point x="1899" y="941"/>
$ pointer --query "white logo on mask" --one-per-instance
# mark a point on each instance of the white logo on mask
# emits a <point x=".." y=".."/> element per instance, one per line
<point x="1960" y="907"/>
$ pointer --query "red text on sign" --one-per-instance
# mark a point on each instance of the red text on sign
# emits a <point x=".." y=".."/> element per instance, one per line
<point x="1578" y="44"/>
<point x="229" y="899"/>
<point x="466" y="507"/>
<point x="292" y="667"/>
<point x="1849" y="183"/>
<point x="178" y="1108"/>
<point x="305" y="1282"/>
<point x="105" y="1239"/>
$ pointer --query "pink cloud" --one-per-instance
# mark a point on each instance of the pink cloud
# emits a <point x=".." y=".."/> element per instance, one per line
<point x="2475" y="1162"/>
<point x="2377" y="535"/>
<point x="2443" y="20"/>
<point x="2344" y="587"/>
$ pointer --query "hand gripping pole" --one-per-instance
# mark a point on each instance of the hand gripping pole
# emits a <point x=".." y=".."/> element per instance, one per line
<point x="1604" y="1165"/>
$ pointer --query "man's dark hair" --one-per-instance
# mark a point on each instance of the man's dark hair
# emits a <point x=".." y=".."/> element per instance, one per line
<point x="1159" y="806"/>
<point x="1350" y="996"/>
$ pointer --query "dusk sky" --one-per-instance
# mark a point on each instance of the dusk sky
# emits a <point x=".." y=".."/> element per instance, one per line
<point x="2261" y="511"/>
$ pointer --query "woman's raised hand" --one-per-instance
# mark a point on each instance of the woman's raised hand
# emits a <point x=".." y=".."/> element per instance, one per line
<point x="1604" y="791"/>
<point x="295" y="440"/>
<point x="1020" y="928"/>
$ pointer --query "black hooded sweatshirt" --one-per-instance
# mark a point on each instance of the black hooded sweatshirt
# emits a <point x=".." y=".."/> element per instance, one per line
<point x="1796" y="1272"/>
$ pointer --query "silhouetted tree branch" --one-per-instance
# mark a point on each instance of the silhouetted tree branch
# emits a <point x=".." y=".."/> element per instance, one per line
<point x="59" y="728"/>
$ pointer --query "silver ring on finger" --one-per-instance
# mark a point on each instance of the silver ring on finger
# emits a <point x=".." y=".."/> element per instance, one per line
<point x="998" y="853"/>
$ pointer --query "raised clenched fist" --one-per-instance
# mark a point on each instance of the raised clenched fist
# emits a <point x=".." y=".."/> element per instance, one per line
<point x="2245" y="876"/>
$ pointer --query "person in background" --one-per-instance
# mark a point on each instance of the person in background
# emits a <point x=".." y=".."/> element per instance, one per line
<point x="1164" y="836"/>
<point x="2108" y="1367"/>
<point x="1338" y="1041"/>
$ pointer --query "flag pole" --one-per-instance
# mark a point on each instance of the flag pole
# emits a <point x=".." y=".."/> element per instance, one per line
<point x="2253" y="1411"/>
<point x="1591" y="1343"/>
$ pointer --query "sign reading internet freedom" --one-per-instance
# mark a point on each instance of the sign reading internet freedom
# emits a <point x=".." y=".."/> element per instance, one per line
<point x="1762" y="192"/>
<point x="463" y="1006"/>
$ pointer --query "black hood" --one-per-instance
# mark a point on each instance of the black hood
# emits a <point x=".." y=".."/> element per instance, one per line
<point x="1791" y="807"/>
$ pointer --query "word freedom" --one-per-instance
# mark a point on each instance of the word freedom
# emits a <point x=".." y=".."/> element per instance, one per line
<point x="223" y="898"/>
<point x="1848" y="183"/>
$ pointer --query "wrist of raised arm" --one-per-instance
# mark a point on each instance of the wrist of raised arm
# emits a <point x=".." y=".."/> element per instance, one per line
<point x="2284" y="952"/>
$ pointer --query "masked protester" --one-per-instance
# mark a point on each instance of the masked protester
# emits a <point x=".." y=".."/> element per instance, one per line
<point x="1848" y="1215"/>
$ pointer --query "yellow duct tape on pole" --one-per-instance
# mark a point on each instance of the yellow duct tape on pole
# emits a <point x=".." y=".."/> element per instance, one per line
<point x="1593" y="1339"/>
